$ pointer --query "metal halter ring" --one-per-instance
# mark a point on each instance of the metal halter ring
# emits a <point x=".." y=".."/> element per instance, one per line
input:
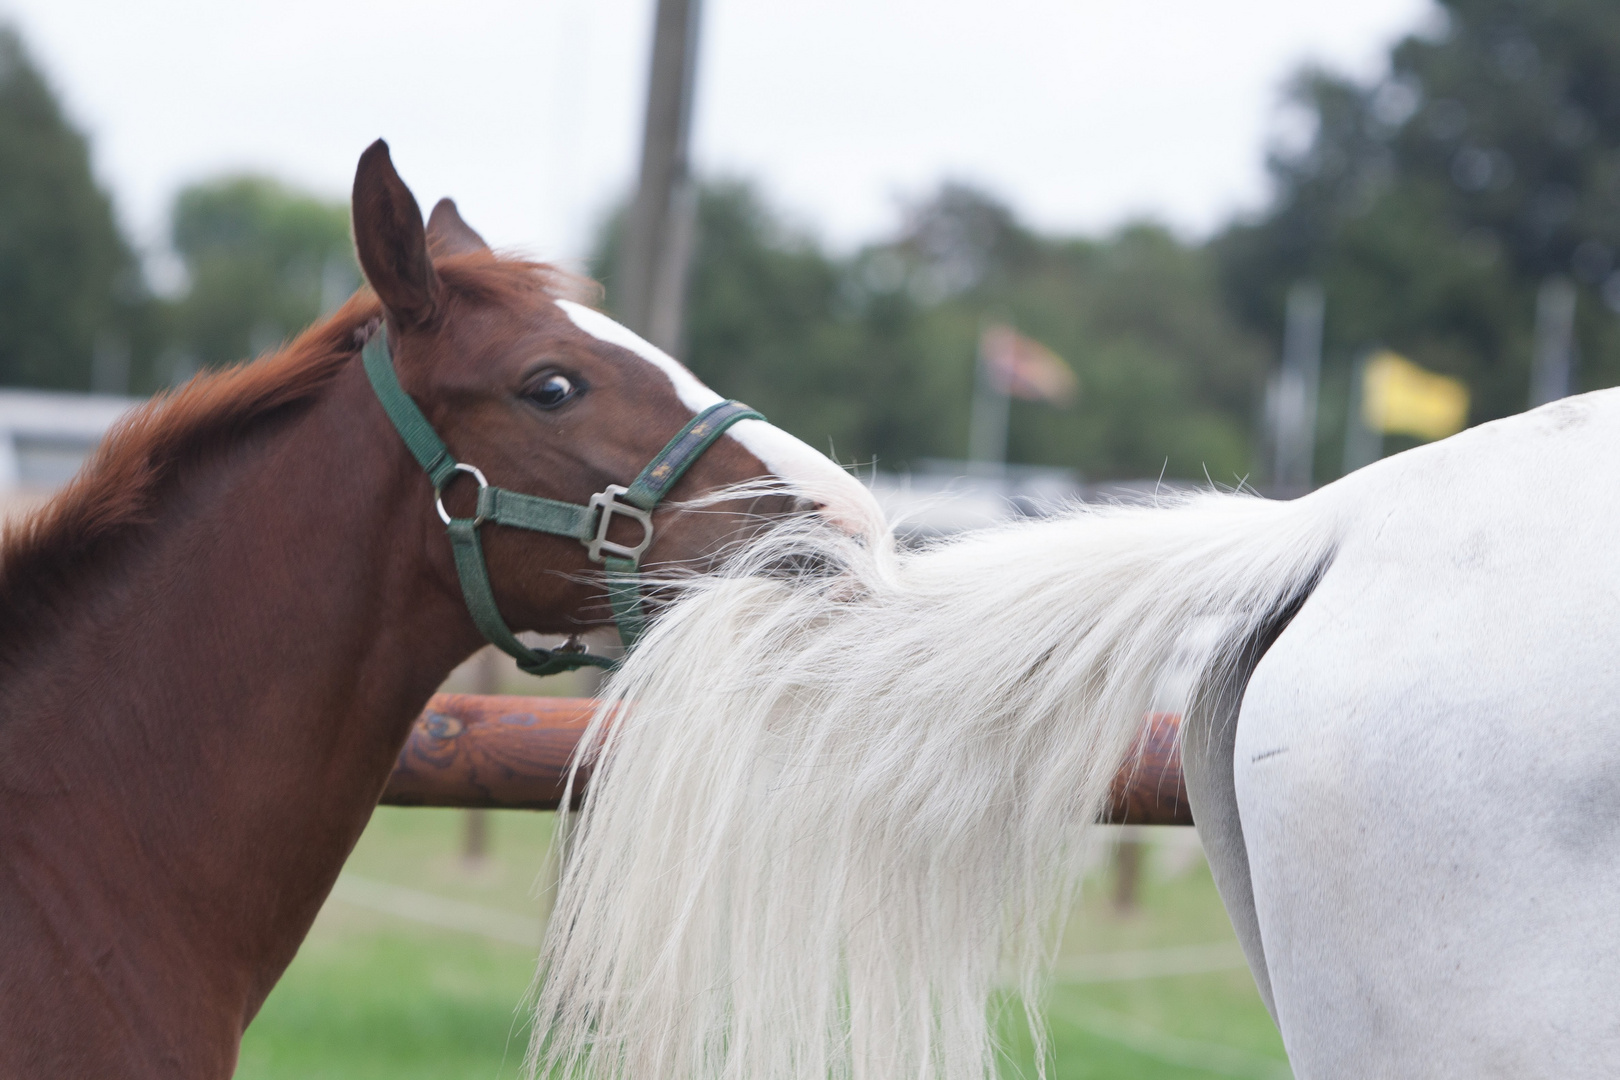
<point x="438" y="496"/>
<point x="607" y="500"/>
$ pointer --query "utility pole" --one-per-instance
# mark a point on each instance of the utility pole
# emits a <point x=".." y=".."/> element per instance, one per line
<point x="662" y="223"/>
<point x="1294" y="391"/>
<point x="1552" y="368"/>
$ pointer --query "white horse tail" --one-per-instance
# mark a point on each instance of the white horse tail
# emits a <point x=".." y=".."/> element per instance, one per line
<point x="850" y="802"/>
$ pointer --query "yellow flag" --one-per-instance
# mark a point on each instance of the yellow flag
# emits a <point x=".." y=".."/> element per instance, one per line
<point x="1400" y="398"/>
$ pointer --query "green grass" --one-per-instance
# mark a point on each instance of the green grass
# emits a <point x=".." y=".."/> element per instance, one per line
<point x="375" y="995"/>
<point x="390" y="1005"/>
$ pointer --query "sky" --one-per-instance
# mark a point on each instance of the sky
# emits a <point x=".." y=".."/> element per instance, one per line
<point x="1081" y="114"/>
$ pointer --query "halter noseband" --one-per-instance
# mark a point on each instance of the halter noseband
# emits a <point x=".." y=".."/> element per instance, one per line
<point x="587" y="524"/>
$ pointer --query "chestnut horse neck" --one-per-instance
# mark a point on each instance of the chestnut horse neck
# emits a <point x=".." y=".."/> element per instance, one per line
<point x="217" y="674"/>
<point x="196" y="739"/>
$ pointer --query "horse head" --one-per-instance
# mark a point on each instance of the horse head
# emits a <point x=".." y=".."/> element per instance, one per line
<point x="543" y="395"/>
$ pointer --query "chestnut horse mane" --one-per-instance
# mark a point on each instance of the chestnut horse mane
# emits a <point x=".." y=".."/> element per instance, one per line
<point x="120" y="489"/>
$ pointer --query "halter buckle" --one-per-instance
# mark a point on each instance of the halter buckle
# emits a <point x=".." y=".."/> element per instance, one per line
<point x="607" y="501"/>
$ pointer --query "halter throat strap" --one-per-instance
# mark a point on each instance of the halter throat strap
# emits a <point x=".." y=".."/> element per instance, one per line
<point x="589" y="524"/>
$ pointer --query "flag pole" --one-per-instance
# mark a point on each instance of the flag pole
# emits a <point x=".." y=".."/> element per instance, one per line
<point x="1552" y="367"/>
<point x="1293" y="394"/>
<point x="988" y="420"/>
<point x="1362" y="445"/>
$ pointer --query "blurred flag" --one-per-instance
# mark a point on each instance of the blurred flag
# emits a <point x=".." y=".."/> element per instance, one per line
<point x="1022" y="367"/>
<point x="1400" y="398"/>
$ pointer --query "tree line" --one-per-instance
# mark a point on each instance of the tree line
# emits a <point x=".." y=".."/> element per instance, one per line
<point x="261" y="261"/>
<point x="1431" y="204"/>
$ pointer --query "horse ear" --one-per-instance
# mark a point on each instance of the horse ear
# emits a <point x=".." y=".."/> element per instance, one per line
<point x="390" y="241"/>
<point x="447" y="234"/>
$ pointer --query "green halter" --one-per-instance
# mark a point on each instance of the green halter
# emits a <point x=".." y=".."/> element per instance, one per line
<point x="587" y="524"/>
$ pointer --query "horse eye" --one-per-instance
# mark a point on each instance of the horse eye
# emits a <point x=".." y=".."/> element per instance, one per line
<point x="553" y="391"/>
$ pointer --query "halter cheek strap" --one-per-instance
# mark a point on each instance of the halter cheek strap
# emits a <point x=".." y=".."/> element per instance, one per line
<point x="588" y="524"/>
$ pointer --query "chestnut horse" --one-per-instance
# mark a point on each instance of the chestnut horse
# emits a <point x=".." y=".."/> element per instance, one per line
<point x="215" y="639"/>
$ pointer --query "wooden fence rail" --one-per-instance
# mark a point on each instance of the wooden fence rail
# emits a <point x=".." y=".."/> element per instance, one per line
<point x="513" y="753"/>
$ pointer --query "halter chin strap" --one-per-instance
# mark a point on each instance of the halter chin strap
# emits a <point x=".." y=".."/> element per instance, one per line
<point x="588" y="524"/>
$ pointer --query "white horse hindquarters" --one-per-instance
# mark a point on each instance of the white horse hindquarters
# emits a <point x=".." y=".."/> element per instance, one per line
<point x="1428" y="775"/>
<point x="803" y="853"/>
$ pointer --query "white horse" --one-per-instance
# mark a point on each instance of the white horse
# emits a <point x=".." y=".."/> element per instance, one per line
<point x="849" y="803"/>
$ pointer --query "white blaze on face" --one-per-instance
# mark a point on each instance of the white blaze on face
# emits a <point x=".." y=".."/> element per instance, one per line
<point x="809" y="472"/>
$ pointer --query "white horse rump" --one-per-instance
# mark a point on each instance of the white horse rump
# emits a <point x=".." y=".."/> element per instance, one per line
<point x="851" y="800"/>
